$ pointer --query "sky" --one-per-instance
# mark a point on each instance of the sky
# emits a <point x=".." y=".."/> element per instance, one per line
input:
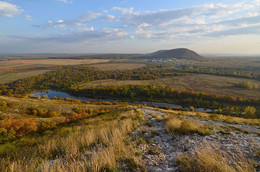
<point x="129" y="26"/>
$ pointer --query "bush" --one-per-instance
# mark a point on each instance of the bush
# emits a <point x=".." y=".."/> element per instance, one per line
<point x="17" y="127"/>
<point x="45" y="125"/>
<point x="36" y="111"/>
<point x="52" y="113"/>
<point x="250" y="112"/>
<point x="24" y="126"/>
<point x="6" y="135"/>
<point x="3" y="103"/>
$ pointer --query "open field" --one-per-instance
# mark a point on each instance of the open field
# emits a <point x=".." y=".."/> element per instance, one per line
<point x="8" y="68"/>
<point x="230" y="63"/>
<point x="197" y="82"/>
<point x="14" y="76"/>
<point x="118" y="66"/>
<point x="15" y="64"/>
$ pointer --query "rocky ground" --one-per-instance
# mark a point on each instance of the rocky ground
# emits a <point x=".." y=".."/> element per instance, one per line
<point x="160" y="149"/>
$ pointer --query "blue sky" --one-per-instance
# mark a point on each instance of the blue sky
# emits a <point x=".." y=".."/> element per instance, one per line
<point x="129" y="26"/>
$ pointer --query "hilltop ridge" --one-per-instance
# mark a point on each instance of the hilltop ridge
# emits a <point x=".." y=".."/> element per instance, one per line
<point x="179" y="53"/>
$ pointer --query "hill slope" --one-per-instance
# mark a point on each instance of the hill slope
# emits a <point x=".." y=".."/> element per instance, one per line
<point x="82" y="136"/>
<point x="180" y="53"/>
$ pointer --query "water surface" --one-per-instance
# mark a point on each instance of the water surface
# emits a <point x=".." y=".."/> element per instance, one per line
<point x="59" y="94"/>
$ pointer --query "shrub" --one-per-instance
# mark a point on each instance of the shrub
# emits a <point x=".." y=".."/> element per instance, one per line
<point x="247" y="85"/>
<point x="250" y="112"/>
<point x="45" y="125"/>
<point x="17" y="127"/>
<point x="159" y="117"/>
<point x="3" y="103"/>
<point x="36" y="111"/>
<point x="6" y="135"/>
<point x="52" y="113"/>
<point x="24" y="126"/>
<point x="54" y="98"/>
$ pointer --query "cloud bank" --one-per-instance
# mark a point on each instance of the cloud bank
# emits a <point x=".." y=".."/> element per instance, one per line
<point x="9" y="10"/>
<point x="211" y="21"/>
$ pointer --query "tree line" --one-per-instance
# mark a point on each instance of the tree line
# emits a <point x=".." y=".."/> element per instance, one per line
<point x="66" y="78"/>
<point x="69" y="76"/>
<point x="169" y="95"/>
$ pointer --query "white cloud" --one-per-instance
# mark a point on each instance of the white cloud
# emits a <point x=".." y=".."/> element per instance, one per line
<point x="246" y="30"/>
<point x="82" y="20"/>
<point x="109" y="18"/>
<point x="162" y="17"/>
<point x="28" y="17"/>
<point x="81" y="35"/>
<point x="86" y="29"/>
<point x="192" y="23"/>
<point x="65" y="1"/>
<point x="9" y="10"/>
<point x="123" y="10"/>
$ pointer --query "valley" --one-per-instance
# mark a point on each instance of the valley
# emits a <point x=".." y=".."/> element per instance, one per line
<point x="129" y="86"/>
<point x="130" y="114"/>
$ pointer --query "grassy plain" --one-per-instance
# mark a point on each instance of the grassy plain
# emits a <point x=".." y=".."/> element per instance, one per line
<point x="8" y="68"/>
<point x="17" y="64"/>
<point x="246" y="63"/>
<point x="197" y="82"/>
<point x="118" y="66"/>
<point x="14" y="76"/>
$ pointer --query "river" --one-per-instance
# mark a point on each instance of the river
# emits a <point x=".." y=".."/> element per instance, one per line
<point x="59" y="94"/>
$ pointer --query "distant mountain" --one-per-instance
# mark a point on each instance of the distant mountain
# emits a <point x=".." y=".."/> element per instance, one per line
<point x="179" y="53"/>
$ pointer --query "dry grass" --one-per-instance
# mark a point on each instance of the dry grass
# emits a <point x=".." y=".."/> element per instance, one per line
<point x="215" y="117"/>
<point x="58" y="61"/>
<point x="173" y="123"/>
<point x="118" y="66"/>
<point x="100" y="144"/>
<point x="159" y="117"/>
<point x="8" y="66"/>
<point x="197" y="82"/>
<point x="179" y="125"/>
<point x="224" y="118"/>
<point x="210" y="158"/>
<point x="15" y="76"/>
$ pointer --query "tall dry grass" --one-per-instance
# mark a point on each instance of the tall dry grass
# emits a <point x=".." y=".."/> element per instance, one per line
<point x="215" y="117"/>
<point x="224" y="118"/>
<point x="100" y="146"/>
<point x="209" y="157"/>
<point x="180" y="125"/>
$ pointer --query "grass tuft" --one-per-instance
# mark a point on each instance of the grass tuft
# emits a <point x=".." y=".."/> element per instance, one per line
<point x="184" y="126"/>
<point x="211" y="159"/>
